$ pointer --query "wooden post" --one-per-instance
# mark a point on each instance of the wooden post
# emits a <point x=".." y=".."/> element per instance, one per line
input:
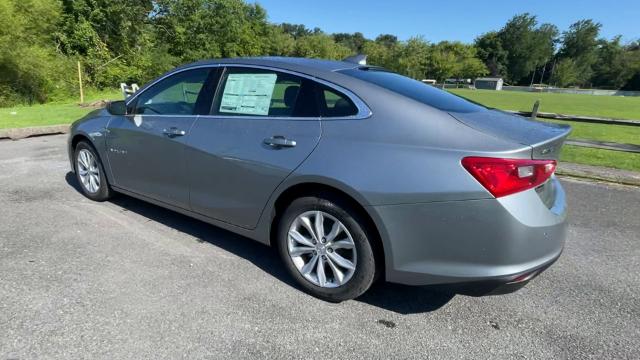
<point x="534" y="111"/>
<point x="80" y="82"/>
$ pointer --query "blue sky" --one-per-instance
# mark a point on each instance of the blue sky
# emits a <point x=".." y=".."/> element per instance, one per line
<point x="451" y="20"/>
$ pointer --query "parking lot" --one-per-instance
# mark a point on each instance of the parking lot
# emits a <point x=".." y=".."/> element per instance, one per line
<point x="125" y="279"/>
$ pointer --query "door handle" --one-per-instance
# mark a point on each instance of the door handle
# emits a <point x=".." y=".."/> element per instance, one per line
<point x="279" y="141"/>
<point x="174" y="132"/>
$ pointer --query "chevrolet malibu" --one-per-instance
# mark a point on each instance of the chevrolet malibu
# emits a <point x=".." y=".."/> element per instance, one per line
<point x="354" y="173"/>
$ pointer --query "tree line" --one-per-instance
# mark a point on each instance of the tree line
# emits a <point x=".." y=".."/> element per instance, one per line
<point x="136" y="40"/>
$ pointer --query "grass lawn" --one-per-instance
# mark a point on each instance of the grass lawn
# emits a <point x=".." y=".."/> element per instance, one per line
<point x="600" y="157"/>
<point x="590" y="105"/>
<point x="617" y="107"/>
<point x="64" y="112"/>
<point x="603" y="132"/>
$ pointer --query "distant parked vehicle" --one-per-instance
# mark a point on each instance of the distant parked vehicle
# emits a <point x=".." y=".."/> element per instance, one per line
<point x="353" y="172"/>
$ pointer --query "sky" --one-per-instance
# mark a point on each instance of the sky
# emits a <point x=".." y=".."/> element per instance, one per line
<point x="460" y="20"/>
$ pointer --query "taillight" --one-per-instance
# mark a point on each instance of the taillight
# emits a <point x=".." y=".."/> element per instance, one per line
<point x="508" y="176"/>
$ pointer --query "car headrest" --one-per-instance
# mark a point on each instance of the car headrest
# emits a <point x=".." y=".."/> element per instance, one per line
<point x="290" y="95"/>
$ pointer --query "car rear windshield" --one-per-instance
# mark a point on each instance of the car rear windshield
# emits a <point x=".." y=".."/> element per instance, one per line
<point x="413" y="89"/>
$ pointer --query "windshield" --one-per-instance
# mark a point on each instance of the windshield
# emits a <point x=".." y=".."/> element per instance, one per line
<point x="415" y="90"/>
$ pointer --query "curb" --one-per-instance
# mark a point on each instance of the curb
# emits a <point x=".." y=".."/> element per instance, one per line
<point x="22" y="133"/>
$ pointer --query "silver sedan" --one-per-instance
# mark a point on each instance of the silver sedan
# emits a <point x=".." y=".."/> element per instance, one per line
<point x="353" y="172"/>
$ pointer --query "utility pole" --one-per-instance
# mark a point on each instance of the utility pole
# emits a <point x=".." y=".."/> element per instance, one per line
<point x="80" y="82"/>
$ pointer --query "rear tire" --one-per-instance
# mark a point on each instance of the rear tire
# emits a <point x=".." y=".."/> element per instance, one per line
<point x="90" y="173"/>
<point x="345" y="265"/>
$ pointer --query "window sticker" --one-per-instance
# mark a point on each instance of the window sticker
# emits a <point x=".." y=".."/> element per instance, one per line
<point x="248" y="94"/>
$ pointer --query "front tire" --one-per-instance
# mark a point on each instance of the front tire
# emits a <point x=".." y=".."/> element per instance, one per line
<point x="90" y="173"/>
<point x="325" y="247"/>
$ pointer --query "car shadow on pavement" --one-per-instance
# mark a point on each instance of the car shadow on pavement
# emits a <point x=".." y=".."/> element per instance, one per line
<point x="393" y="297"/>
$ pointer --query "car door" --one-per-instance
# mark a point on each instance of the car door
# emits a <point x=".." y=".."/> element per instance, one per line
<point x="264" y="123"/>
<point x="146" y="148"/>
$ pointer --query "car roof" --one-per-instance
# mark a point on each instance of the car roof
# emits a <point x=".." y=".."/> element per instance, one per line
<point x="303" y="65"/>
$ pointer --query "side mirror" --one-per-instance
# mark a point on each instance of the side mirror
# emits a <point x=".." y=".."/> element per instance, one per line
<point x="117" y="108"/>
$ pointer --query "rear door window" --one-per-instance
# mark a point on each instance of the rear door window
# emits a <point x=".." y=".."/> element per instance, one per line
<point x="415" y="90"/>
<point x="264" y="93"/>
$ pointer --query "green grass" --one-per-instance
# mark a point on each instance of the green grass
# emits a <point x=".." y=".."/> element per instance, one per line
<point x="601" y="157"/>
<point x="603" y="132"/>
<point x="56" y="113"/>
<point x="617" y="107"/>
<point x="571" y="104"/>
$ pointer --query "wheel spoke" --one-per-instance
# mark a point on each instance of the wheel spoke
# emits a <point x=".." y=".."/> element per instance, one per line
<point x="81" y="160"/>
<point x="299" y="238"/>
<point x="306" y="269"/>
<point x="342" y="244"/>
<point x="342" y="262"/>
<point x="335" y="230"/>
<point x="93" y="184"/>
<point x="322" y="278"/>
<point x="300" y="250"/>
<point x="337" y="274"/>
<point x="306" y="223"/>
<point x="319" y="225"/>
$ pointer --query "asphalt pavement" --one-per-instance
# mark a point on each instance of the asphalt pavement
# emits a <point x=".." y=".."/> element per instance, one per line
<point x="128" y="280"/>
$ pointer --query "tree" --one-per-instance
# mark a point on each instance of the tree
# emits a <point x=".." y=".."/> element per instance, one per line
<point x="613" y="66"/>
<point x="528" y="47"/>
<point x="387" y="40"/>
<point x="320" y="46"/>
<point x="201" y="29"/>
<point x="490" y="51"/>
<point x="354" y="41"/>
<point x="565" y="73"/>
<point x="413" y="58"/>
<point x="580" y="43"/>
<point x="454" y="59"/>
<point x="31" y="69"/>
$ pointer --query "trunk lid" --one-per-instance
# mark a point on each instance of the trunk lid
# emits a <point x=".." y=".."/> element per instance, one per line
<point x="545" y="139"/>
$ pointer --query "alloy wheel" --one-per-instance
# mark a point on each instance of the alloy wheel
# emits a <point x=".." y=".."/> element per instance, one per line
<point x="88" y="171"/>
<point x="322" y="249"/>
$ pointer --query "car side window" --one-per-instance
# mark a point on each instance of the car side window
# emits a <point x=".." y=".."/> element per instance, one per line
<point x="260" y="92"/>
<point x="178" y="94"/>
<point x="335" y="104"/>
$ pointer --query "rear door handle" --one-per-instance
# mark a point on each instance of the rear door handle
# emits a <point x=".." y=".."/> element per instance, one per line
<point x="174" y="132"/>
<point x="279" y="142"/>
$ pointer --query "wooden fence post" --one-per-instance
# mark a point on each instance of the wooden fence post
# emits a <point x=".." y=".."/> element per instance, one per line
<point x="80" y="82"/>
<point x="534" y="111"/>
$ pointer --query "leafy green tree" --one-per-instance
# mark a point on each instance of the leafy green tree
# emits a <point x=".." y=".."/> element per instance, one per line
<point x="320" y="46"/>
<point x="614" y="64"/>
<point x="201" y="29"/>
<point x="387" y="40"/>
<point x="490" y="51"/>
<point x="565" y="73"/>
<point x="354" y="41"/>
<point x="528" y="47"/>
<point x="413" y="58"/>
<point x="580" y="43"/>
<point x="31" y="69"/>
<point x="454" y="59"/>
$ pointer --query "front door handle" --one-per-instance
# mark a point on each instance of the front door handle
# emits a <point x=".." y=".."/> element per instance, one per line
<point x="174" y="132"/>
<point x="279" y="142"/>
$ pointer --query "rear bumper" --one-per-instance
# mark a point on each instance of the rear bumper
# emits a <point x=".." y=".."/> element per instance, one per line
<point x="487" y="241"/>
<point x="499" y="286"/>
